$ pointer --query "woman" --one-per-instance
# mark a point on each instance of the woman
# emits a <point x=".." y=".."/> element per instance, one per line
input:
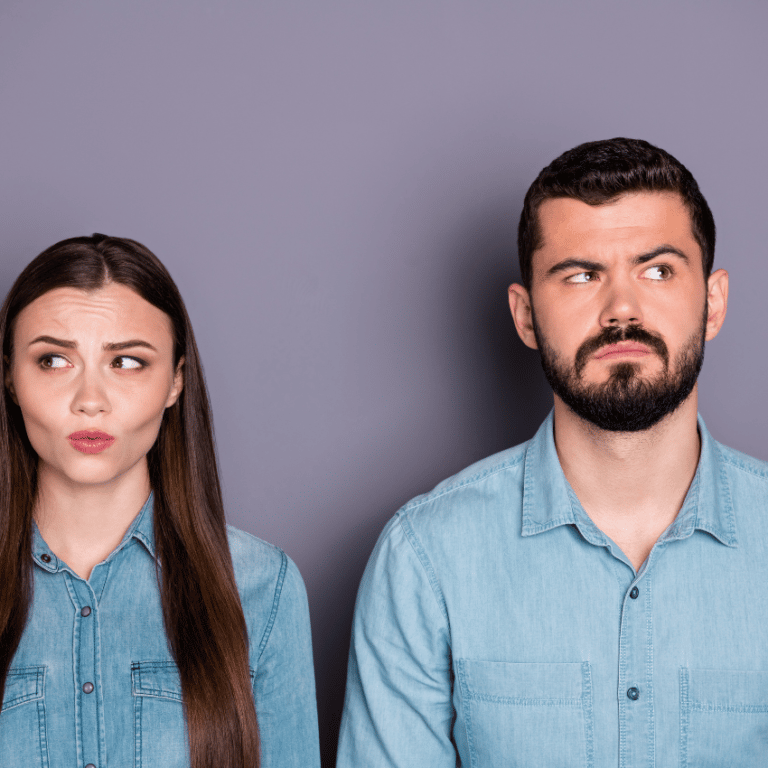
<point x="135" y="629"/>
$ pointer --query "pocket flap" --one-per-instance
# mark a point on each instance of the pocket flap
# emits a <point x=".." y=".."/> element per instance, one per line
<point x="724" y="690"/>
<point x="156" y="678"/>
<point x="159" y="679"/>
<point x="524" y="683"/>
<point x="23" y="684"/>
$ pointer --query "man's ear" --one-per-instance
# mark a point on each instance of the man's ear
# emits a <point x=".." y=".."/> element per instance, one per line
<point x="522" y="314"/>
<point x="717" y="302"/>
<point x="9" y="379"/>
<point x="178" y="384"/>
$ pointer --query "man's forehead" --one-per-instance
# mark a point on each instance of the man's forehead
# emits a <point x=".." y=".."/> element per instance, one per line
<point x="636" y="220"/>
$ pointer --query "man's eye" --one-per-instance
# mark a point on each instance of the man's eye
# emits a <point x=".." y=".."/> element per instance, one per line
<point x="53" y="361"/>
<point x="123" y="361"/>
<point x="658" y="272"/>
<point x="582" y="277"/>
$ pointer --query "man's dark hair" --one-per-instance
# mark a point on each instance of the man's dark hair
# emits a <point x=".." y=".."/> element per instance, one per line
<point x="600" y="171"/>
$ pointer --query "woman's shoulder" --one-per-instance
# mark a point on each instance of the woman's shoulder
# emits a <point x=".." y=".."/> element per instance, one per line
<point x="265" y="575"/>
<point x="249" y="549"/>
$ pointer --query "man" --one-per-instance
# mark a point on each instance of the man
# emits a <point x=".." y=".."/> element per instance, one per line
<point x="596" y="596"/>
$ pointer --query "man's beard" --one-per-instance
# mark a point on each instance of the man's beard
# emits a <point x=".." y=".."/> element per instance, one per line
<point x="626" y="402"/>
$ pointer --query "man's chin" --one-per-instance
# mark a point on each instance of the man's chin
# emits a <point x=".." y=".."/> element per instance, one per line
<point x="637" y="373"/>
<point x="626" y="403"/>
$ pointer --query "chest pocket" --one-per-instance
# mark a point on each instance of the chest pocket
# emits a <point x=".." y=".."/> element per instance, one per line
<point x="160" y="726"/>
<point x="723" y="718"/>
<point x="23" y="741"/>
<point x="524" y="714"/>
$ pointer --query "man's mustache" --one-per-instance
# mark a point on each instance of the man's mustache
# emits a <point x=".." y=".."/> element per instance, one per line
<point x="612" y="334"/>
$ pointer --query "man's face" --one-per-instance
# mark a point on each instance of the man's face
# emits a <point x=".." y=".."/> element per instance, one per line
<point x="619" y="307"/>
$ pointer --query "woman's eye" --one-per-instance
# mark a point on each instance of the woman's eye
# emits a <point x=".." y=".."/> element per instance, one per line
<point x="123" y="361"/>
<point x="53" y="361"/>
<point x="658" y="272"/>
<point x="582" y="277"/>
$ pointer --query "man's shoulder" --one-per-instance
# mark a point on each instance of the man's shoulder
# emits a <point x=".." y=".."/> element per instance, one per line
<point x="742" y="463"/>
<point x="491" y="484"/>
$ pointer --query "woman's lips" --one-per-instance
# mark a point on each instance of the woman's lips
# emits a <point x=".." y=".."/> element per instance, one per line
<point x="622" y="350"/>
<point x="90" y="441"/>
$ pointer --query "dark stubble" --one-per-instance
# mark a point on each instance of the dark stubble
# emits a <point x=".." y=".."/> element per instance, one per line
<point x="626" y="402"/>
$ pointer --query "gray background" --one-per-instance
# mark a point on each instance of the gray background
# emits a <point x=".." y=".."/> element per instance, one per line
<point x="335" y="187"/>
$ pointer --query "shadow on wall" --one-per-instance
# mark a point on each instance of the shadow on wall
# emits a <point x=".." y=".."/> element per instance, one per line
<point x="499" y="398"/>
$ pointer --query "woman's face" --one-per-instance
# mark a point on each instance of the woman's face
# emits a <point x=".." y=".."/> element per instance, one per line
<point x="92" y="373"/>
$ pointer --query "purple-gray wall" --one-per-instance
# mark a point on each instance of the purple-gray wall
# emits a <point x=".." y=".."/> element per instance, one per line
<point x="335" y="187"/>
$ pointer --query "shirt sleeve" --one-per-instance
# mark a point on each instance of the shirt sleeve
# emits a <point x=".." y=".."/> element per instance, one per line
<point x="284" y="686"/>
<point x="398" y="710"/>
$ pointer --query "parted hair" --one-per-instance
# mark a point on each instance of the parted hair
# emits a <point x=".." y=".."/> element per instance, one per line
<point x="203" y="617"/>
<point x="598" y="172"/>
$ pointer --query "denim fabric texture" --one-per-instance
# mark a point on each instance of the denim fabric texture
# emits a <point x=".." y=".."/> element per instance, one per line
<point x="496" y="625"/>
<point x="93" y="681"/>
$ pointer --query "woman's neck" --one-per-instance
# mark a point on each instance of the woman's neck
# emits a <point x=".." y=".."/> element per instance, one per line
<point x="83" y="523"/>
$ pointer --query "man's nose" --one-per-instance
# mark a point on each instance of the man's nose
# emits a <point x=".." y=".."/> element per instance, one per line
<point x="621" y="304"/>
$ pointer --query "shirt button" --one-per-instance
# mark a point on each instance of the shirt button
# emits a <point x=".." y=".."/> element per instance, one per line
<point x="86" y="612"/>
<point x="45" y="558"/>
<point x="634" y="592"/>
<point x="633" y="694"/>
<point x="90" y="765"/>
<point x="88" y="688"/>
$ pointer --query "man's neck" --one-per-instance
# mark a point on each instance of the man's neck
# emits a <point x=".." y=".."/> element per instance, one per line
<point x="632" y="484"/>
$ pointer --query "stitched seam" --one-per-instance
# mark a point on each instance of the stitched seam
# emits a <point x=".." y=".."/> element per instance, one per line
<point x="426" y="564"/>
<point x="510" y="464"/>
<point x="587" y="714"/>
<point x="524" y="702"/>
<point x="747" y="709"/>
<point x="275" y="603"/>
<point x="684" y="708"/>
<point x="740" y="464"/>
<point x="467" y="710"/>
<point x="137" y="725"/>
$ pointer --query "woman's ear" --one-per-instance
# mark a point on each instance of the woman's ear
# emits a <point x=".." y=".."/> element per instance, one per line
<point x="9" y="379"/>
<point x="178" y="383"/>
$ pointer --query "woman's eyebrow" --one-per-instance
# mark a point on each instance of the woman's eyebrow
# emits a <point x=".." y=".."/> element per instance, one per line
<point x="116" y="346"/>
<point x="56" y="342"/>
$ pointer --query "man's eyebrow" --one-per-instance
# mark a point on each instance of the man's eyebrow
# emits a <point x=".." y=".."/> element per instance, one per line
<point x="117" y="346"/>
<point x="596" y="266"/>
<point x="568" y="264"/>
<point x="662" y="249"/>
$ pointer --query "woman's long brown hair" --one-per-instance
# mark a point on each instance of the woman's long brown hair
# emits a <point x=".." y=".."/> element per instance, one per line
<point x="203" y="617"/>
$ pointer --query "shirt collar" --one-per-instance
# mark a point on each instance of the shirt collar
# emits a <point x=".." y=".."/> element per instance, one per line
<point x="142" y="529"/>
<point x="549" y="501"/>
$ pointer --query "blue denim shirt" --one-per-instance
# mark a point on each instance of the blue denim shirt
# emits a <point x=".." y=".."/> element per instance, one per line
<point x="496" y="625"/>
<point x="105" y="635"/>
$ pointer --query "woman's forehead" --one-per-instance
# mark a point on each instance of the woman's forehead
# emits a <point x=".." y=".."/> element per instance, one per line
<point x="114" y="310"/>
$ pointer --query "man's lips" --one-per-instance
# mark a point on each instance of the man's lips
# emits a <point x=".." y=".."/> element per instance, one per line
<point x="622" y="349"/>
<point x="90" y="440"/>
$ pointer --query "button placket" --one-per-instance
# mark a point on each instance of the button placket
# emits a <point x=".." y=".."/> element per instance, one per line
<point x="635" y="674"/>
<point x="88" y="709"/>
